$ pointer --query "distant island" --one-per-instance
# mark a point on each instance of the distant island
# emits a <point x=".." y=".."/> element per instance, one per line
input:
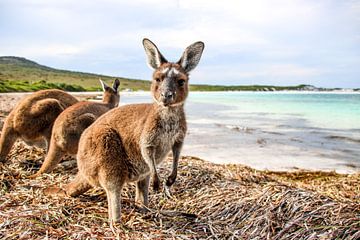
<point x="22" y="75"/>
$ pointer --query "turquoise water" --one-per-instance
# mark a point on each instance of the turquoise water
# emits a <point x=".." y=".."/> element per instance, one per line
<point x="272" y="130"/>
<point x="322" y="110"/>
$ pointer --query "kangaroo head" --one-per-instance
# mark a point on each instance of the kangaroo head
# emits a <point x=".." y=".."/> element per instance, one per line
<point x="111" y="94"/>
<point x="169" y="85"/>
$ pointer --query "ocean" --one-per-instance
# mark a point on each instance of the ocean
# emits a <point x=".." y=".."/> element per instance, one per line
<point x="323" y="110"/>
<point x="272" y="130"/>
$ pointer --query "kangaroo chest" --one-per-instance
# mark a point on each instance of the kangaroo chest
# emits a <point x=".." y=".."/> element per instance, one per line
<point x="166" y="133"/>
<point x="162" y="135"/>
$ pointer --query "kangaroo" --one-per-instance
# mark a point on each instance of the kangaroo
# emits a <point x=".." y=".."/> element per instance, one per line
<point x="126" y="143"/>
<point x="70" y="124"/>
<point x="32" y="119"/>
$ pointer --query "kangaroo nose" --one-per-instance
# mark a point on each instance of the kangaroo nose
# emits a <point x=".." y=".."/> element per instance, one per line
<point x="167" y="95"/>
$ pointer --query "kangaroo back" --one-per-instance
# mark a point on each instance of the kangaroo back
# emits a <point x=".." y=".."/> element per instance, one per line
<point x="71" y="133"/>
<point x="45" y="111"/>
<point x="84" y="121"/>
<point x="71" y="123"/>
<point x="36" y="114"/>
<point x="33" y="117"/>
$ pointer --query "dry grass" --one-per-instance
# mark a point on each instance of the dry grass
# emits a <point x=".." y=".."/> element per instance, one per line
<point x="209" y="202"/>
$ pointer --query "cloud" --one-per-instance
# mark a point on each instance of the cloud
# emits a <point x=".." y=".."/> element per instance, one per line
<point x="253" y="73"/>
<point x="289" y="70"/>
<point x="263" y="41"/>
<point x="38" y="51"/>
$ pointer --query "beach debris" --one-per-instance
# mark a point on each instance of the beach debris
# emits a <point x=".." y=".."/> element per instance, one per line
<point x="209" y="201"/>
<point x="237" y="128"/>
<point x="261" y="141"/>
<point x="344" y="138"/>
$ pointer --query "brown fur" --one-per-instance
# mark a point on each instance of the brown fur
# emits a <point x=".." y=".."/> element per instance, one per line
<point x="70" y="124"/>
<point x="32" y="119"/>
<point x="125" y="144"/>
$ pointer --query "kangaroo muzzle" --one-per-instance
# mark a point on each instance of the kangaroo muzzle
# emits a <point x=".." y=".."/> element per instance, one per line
<point x="167" y="97"/>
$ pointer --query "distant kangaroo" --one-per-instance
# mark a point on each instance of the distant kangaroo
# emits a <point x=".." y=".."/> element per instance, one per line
<point x="70" y="124"/>
<point x="32" y="119"/>
<point x="125" y="144"/>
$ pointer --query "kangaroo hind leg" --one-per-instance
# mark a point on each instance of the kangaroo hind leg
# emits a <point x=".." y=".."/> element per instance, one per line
<point x="7" y="139"/>
<point x="53" y="157"/>
<point x="113" y="193"/>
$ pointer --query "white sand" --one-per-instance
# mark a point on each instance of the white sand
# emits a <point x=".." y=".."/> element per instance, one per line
<point x="259" y="142"/>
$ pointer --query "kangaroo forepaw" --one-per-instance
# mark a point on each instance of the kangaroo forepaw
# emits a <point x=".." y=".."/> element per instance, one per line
<point x="54" y="191"/>
<point x="170" y="181"/>
<point x="156" y="185"/>
<point x="141" y="208"/>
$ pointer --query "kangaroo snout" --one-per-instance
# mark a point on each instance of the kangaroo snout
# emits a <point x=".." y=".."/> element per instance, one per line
<point x="167" y="97"/>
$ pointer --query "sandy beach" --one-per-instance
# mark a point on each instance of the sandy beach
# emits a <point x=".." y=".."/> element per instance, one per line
<point x="221" y="134"/>
<point x="210" y="201"/>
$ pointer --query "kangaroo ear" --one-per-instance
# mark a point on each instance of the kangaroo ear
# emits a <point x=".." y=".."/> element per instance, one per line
<point x="104" y="85"/>
<point x="116" y="85"/>
<point x="191" y="56"/>
<point x="154" y="57"/>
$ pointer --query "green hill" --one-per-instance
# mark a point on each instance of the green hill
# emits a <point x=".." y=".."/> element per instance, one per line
<point x="21" y="74"/>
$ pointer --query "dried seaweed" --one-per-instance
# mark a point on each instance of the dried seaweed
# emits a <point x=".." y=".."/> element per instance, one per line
<point x="209" y="201"/>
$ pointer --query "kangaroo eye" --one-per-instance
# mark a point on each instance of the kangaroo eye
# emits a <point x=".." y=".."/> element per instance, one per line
<point x="157" y="79"/>
<point x="181" y="82"/>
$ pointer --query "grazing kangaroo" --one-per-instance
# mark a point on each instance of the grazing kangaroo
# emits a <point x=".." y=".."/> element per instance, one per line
<point x="70" y="124"/>
<point x="32" y="119"/>
<point x="126" y="143"/>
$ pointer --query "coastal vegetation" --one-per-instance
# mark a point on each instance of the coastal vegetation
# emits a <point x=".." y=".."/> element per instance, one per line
<point x="19" y="74"/>
<point x="26" y="86"/>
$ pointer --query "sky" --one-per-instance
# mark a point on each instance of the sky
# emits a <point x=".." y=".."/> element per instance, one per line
<point x="272" y="42"/>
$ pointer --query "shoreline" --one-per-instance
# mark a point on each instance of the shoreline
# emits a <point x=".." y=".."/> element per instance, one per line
<point x="236" y="91"/>
<point x="260" y="147"/>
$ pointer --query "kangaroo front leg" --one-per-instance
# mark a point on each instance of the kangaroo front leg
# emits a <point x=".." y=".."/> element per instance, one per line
<point x="149" y="155"/>
<point x="156" y="182"/>
<point x="142" y="191"/>
<point x="176" y="154"/>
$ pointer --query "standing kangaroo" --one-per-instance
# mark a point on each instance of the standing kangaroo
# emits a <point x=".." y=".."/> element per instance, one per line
<point x="32" y="119"/>
<point x="125" y="144"/>
<point x="70" y="124"/>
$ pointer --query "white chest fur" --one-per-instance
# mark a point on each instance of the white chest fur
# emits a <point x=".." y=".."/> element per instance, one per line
<point x="161" y="138"/>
